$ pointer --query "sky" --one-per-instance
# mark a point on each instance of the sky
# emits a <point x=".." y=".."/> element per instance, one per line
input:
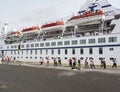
<point x="26" y="13"/>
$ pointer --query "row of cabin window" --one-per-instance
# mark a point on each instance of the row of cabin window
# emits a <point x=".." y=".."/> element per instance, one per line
<point x="74" y="42"/>
<point x="59" y="51"/>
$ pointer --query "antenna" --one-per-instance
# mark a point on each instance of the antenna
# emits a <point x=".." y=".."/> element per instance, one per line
<point x="5" y="28"/>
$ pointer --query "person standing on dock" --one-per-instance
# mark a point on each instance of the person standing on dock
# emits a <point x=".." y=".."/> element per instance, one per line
<point x="86" y="63"/>
<point x="55" y="61"/>
<point x="59" y="61"/>
<point x="92" y="65"/>
<point x="48" y="60"/>
<point x="42" y="61"/>
<point x="114" y="63"/>
<point x="79" y="64"/>
<point x="104" y="64"/>
<point x="70" y="62"/>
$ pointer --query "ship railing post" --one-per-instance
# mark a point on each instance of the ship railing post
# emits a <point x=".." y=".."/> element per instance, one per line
<point x="63" y="30"/>
<point x="75" y="28"/>
<point x="39" y="33"/>
<point x="101" y="27"/>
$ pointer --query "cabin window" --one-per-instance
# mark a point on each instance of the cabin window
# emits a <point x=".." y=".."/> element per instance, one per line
<point x="18" y="52"/>
<point x="91" y="41"/>
<point x="66" y="42"/>
<point x="14" y="52"/>
<point x="100" y="50"/>
<point x="41" y="51"/>
<point x="90" y="50"/>
<point x="52" y="57"/>
<point x="53" y="44"/>
<point x="112" y="39"/>
<point x="47" y="44"/>
<point x="74" y="42"/>
<point x="83" y="41"/>
<point x="101" y="40"/>
<point x="111" y="49"/>
<point x="15" y="46"/>
<point x="11" y="52"/>
<point x="81" y="58"/>
<point x="66" y="58"/>
<point x="11" y="46"/>
<point x="81" y="51"/>
<point x="47" y="52"/>
<point x="52" y="51"/>
<point x="35" y="52"/>
<point x="32" y="45"/>
<point x="27" y="46"/>
<point x="31" y="51"/>
<point x="58" y="51"/>
<point x="73" y="51"/>
<point x="22" y="46"/>
<point x="22" y="52"/>
<point x="66" y="51"/>
<point x="41" y="44"/>
<point x="26" y="51"/>
<point x="37" y="45"/>
<point x="60" y="43"/>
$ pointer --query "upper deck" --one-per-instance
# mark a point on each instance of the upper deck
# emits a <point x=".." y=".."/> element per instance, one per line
<point x="94" y="18"/>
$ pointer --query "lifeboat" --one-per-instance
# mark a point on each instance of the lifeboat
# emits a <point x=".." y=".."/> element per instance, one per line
<point x="87" y="14"/>
<point x="58" y="25"/>
<point x="16" y="33"/>
<point x="34" y="29"/>
<point x="86" y="17"/>
<point x="13" y="36"/>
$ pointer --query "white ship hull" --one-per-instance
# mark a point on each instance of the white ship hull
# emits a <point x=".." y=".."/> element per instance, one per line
<point x="25" y="53"/>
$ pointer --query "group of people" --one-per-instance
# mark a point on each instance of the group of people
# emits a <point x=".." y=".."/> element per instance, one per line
<point x="75" y="63"/>
<point x="55" y="61"/>
<point x="103" y="63"/>
<point x="89" y="63"/>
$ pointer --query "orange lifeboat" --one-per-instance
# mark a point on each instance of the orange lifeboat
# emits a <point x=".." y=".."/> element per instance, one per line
<point x="52" y="24"/>
<point x="87" y="14"/>
<point x="31" y="29"/>
<point x="14" y="33"/>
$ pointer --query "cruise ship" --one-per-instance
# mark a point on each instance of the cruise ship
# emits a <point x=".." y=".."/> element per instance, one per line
<point x="93" y="32"/>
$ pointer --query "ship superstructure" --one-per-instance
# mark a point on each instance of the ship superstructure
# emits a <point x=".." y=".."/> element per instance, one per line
<point x="93" y="32"/>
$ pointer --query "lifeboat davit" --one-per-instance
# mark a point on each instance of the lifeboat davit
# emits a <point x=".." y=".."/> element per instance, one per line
<point x="86" y="17"/>
<point x="34" y="29"/>
<point x="58" y="25"/>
